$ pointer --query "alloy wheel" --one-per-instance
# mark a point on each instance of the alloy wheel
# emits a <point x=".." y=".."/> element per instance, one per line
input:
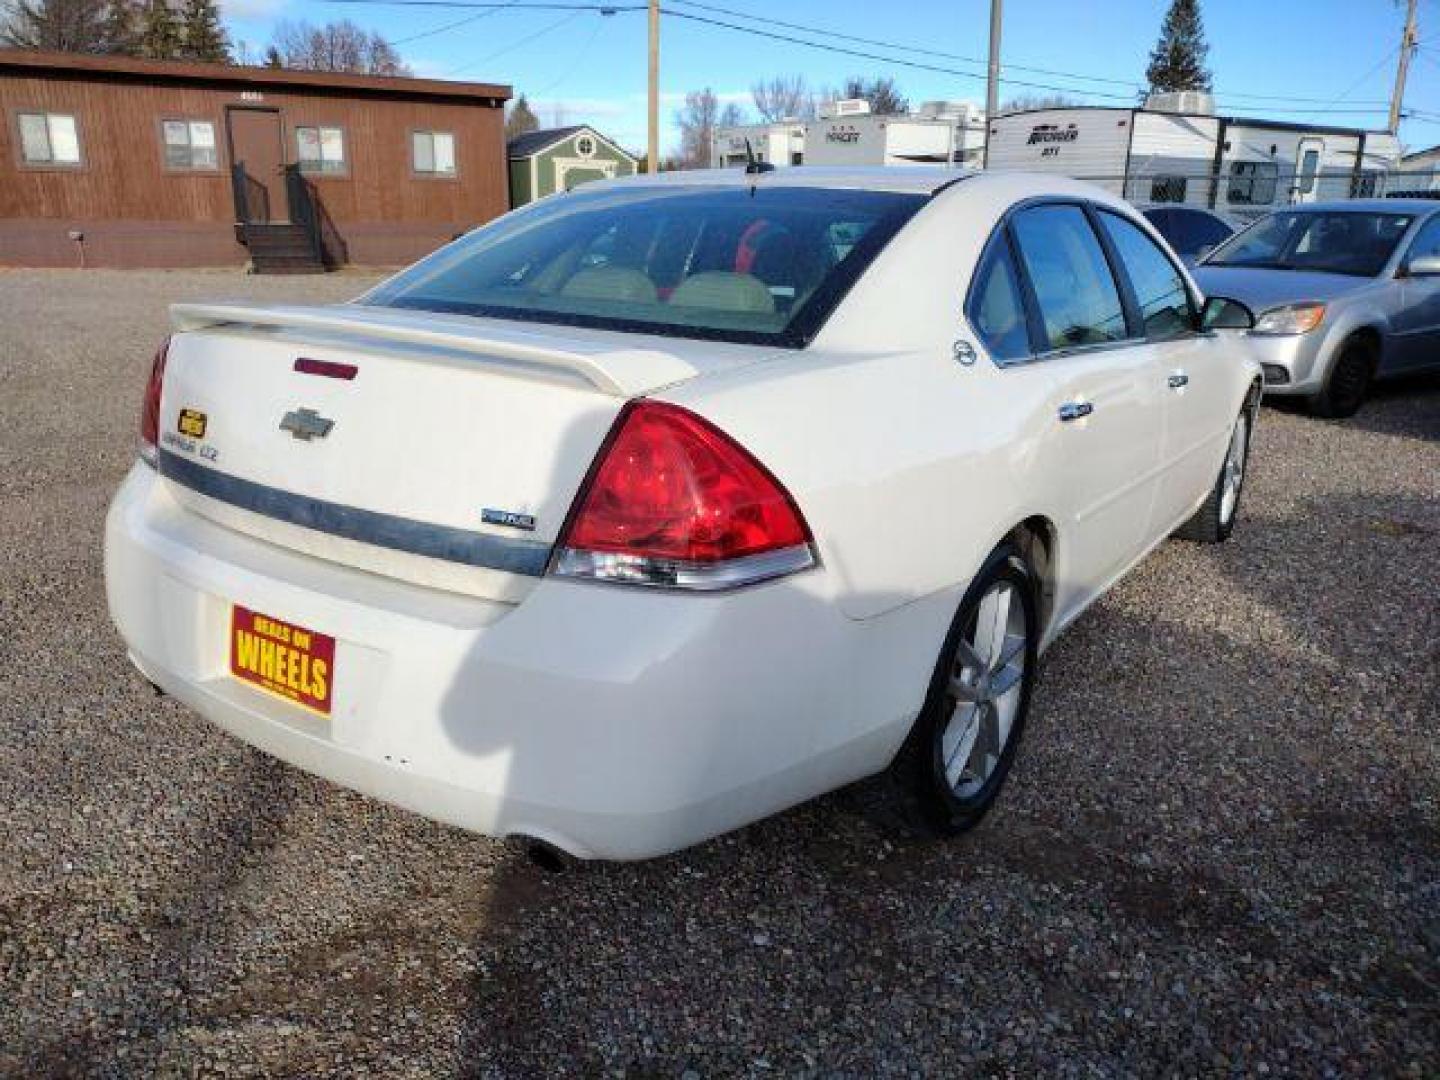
<point x="983" y="695"/>
<point x="1234" y="474"/>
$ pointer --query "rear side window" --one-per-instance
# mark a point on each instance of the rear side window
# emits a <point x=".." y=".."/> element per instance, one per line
<point x="1160" y="291"/>
<point x="996" y="309"/>
<point x="1079" y="303"/>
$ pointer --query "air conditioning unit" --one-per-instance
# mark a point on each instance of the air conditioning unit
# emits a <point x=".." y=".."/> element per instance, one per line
<point x="844" y="107"/>
<point x="1192" y="102"/>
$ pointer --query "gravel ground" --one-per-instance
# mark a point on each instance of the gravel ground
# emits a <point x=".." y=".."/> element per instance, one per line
<point x="1219" y="853"/>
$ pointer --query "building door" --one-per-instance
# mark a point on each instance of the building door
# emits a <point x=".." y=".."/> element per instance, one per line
<point x="1307" y="169"/>
<point x="257" y="150"/>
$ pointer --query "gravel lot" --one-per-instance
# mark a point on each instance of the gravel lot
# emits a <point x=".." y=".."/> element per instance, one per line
<point x="1220" y="851"/>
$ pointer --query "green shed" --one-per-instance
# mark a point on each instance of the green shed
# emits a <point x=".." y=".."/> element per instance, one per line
<point x="558" y="159"/>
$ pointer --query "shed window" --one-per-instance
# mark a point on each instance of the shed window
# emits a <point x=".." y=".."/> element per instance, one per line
<point x="1252" y="183"/>
<point x="190" y="144"/>
<point x="585" y="146"/>
<point x="49" y="139"/>
<point x="434" y="152"/>
<point x="320" y="149"/>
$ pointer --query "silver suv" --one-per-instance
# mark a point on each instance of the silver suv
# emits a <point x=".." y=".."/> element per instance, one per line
<point x="1343" y="293"/>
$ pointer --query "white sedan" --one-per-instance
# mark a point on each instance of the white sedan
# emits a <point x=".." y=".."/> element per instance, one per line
<point x="662" y="505"/>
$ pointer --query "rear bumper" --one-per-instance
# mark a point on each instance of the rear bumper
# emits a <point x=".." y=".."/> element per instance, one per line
<point x="611" y="722"/>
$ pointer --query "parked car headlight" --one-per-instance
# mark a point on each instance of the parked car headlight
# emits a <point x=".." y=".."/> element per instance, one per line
<point x="1290" y="319"/>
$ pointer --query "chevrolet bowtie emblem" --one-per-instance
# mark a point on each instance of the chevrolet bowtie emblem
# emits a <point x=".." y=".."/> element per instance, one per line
<point x="306" y="424"/>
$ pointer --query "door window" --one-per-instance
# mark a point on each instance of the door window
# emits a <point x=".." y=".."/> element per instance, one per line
<point x="1160" y="292"/>
<point x="1079" y="303"/>
<point x="1427" y="240"/>
<point x="996" y="309"/>
<point x="1309" y="165"/>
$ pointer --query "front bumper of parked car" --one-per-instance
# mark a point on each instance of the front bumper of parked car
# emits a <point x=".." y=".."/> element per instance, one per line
<point x="1291" y="363"/>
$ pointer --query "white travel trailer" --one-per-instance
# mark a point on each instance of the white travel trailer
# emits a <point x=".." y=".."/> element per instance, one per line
<point x="778" y="144"/>
<point x="1175" y="150"/>
<point x="940" y="132"/>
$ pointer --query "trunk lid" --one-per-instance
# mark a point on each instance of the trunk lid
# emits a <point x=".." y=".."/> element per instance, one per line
<point x="451" y="456"/>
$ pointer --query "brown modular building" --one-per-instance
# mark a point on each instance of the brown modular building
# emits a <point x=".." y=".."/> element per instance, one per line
<point x="113" y="161"/>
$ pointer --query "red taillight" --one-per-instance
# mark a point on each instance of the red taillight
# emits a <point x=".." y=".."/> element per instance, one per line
<point x="150" y="411"/>
<point x="673" y="500"/>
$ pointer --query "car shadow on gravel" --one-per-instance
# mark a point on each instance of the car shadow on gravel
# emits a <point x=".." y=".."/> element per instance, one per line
<point x="1159" y="863"/>
<point x="184" y="934"/>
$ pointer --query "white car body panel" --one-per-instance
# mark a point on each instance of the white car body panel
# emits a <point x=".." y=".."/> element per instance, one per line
<point x="621" y="722"/>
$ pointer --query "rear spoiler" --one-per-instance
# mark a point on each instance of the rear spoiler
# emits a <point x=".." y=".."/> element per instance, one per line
<point x="620" y="372"/>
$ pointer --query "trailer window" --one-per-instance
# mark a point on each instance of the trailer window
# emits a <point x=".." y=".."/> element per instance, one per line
<point x="1252" y="183"/>
<point x="1309" y="164"/>
<point x="1167" y="189"/>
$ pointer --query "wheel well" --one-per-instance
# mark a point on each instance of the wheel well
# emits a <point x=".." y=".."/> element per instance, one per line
<point x="1371" y="338"/>
<point x="1035" y="537"/>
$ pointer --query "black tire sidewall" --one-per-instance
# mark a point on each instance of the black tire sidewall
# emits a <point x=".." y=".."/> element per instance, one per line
<point x="1353" y="354"/>
<point x="947" y="812"/>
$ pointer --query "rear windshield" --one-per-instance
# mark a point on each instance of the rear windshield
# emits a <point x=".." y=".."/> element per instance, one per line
<point x="765" y="266"/>
<point x="1330" y="242"/>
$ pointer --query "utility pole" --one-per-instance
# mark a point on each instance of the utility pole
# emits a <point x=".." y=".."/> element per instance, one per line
<point x="992" y="76"/>
<point x="654" y="105"/>
<point x="1407" y="46"/>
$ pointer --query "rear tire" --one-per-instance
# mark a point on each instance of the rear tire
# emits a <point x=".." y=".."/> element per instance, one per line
<point x="1347" y="384"/>
<point x="960" y="751"/>
<point x="1215" y="520"/>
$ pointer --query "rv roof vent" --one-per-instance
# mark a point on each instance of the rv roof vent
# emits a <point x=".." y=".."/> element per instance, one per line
<point x="844" y="107"/>
<point x="1182" y="101"/>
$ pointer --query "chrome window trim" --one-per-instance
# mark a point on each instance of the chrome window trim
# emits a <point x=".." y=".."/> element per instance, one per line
<point x="510" y="554"/>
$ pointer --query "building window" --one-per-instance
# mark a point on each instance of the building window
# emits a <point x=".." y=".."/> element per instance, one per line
<point x="585" y="146"/>
<point x="1252" y="183"/>
<point x="49" y="139"/>
<point x="190" y="145"/>
<point x="433" y="152"/>
<point x="1165" y="189"/>
<point x="320" y="149"/>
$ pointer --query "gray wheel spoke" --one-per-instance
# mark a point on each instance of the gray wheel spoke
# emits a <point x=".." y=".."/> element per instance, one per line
<point x="968" y="657"/>
<point x="963" y="691"/>
<point x="1005" y="680"/>
<point x="1012" y="651"/>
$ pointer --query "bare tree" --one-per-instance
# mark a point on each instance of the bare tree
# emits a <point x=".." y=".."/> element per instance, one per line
<point x="57" y="25"/>
<point x="336" y="46"/>
<point x="697" y="122"/>
<point x="1030" y="102"/>
<point x="881" y="92"/>
<point x="785" y="97"/>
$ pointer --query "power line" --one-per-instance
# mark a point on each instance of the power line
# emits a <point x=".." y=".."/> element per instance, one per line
<point x="452" y="25"/>
<point x="516" y="44"/>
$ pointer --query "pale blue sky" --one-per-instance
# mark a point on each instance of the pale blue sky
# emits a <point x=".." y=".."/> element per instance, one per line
<point x="583" y="66"/>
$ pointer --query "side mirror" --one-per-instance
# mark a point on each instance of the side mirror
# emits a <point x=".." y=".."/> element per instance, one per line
<point x="1222" y="313"/>
<point x="1423" y="266"/>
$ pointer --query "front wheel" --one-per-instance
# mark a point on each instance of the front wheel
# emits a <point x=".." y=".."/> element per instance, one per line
<point x="956" y="759"/>
<point x="1347" y="384"/>
<point x="1215" y="520"/>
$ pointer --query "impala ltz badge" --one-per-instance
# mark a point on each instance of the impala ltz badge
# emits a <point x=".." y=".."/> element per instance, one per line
<point x="508" y="518"/>
<point x="306" y="424"/>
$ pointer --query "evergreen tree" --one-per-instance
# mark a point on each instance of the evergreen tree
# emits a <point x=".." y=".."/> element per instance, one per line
<point x="160" y="34"/>
<point x="521" y="118"/>
<point x="1178" y="60"/>
<point x="120" y="34"/>
<point x="204" y="36"/>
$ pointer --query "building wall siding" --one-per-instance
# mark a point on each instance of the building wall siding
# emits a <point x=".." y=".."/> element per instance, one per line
<point x="134" y="212"/>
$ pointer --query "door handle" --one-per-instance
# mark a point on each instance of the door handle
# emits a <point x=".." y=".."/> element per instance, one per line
<point x="1179" y="380"/>
<point x="1075" y="410"/>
